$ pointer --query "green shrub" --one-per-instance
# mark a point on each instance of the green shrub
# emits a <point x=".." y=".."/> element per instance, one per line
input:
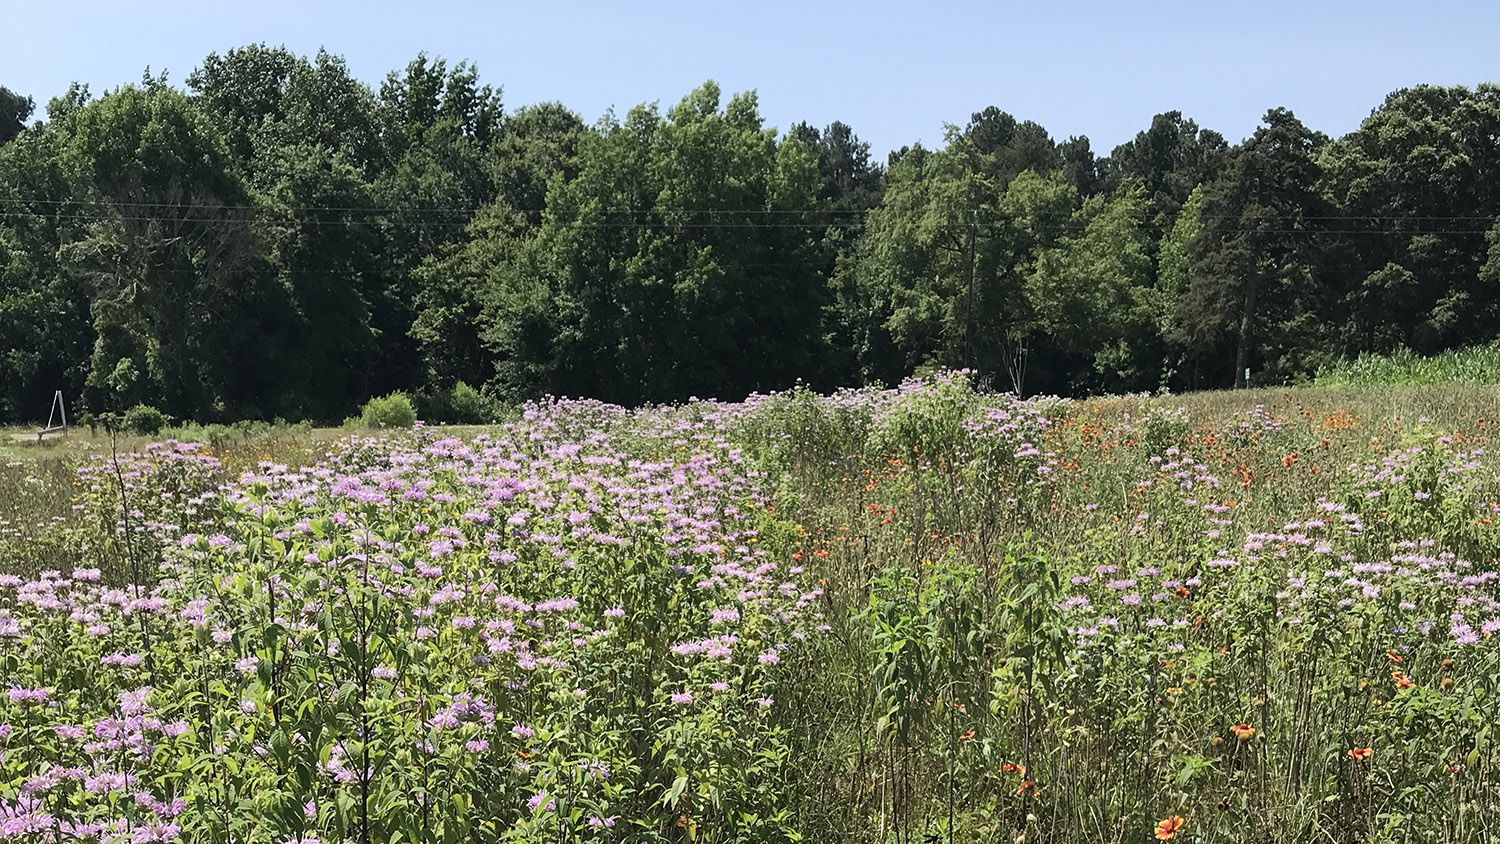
<point x="220" y="435"/>
<point x="145" y="420"/>
<point x="799" y="427"/>
<point x="469" y="406"/>
<point x="926" y="420"/>
<point x="393" y="411"/>
<point x="1163" y="428"/>
<point x="459" y="405"/>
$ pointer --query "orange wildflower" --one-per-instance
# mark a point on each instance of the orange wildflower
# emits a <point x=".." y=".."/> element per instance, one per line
<point x="1360" y="754"/>
<point x="1393" y="657"/>
<point x="1243" y="732"/>
<point x="1027" y="788"/>
<point x="1402" y="681"/>
<point x="1167" y="828"/>
<point x="969" y="736"/>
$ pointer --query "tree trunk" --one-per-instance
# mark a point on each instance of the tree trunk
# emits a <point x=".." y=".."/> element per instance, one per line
<point x="1242" y="352"/>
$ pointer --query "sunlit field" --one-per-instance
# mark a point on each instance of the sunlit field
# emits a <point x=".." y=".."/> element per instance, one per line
<point x="932" y="613"/>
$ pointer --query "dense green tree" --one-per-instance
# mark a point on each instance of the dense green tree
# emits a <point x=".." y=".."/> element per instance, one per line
<point x="45" y="326"/>
<point x="1173" y="280"/>
<point x="1092" y="293"/>
<point x="282" y="239"/>
<point x="1170" y="158"/>
<point x="953" y="242"/>
<point x="1416" y="186"/>
<point x="668" y="266"/>
<point x="537" y="145"/>
<point x="1080" y="166"/>
<point x="437" y="128"/>
<point x="168" y="253"/>
<point x="468" y="304"/>
<point x="1489" y="274"/>
<point x="264" y="98"/>
<point x="307" y="142"/>
<point x="850" y="179"/>
<point x="14" y="109"/>
<point x="1255" y="286"/>
<point x="850" y="185"/>
<point x="322" y="368"/>
<point x="459" y="288"/>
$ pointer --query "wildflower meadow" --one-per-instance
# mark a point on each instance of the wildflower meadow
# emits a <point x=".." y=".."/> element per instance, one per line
<point x="931" y="613"/>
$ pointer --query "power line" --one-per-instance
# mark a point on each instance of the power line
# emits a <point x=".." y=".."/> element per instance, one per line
<point x="422" y="224"/>
<point x="667" y="224"/>
<point x="381" y="209"/>
<point x="272" y="271"/>
<point x="387" y="209"/>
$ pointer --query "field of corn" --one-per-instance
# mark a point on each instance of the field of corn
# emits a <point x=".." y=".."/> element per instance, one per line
<point x="926" y="614"/>
<point x="1472" y="365"/>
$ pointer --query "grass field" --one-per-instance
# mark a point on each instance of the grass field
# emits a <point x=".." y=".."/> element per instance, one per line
<point x="922" y="614"/>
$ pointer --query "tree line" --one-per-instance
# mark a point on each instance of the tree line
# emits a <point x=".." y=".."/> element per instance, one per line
<point x="279" y="239"/>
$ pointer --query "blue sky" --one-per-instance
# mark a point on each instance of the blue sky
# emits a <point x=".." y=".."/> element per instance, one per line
<point x="894" y="71"/>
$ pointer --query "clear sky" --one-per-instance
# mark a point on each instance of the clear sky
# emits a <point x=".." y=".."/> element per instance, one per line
<point x="896" y="72"/>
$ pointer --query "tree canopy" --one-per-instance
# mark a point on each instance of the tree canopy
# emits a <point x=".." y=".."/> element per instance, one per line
<point x="279" y="238"/>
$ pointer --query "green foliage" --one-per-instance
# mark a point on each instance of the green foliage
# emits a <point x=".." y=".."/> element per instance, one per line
<point x="1416" y="286"/>
<point x="926" y="424"/>
<point x="1476" y="365"/>
<point x="1170" y="160"/>
<point x="144" y="420"/>
<point x="460" y="405"/>
<point x="221" y="437"/>
<point x="282" y="239"/>
<point x="1092" y="292"/>
<point x="395" y="410"/>
<point x="14" y="109"/>
<point x="1255" y="283"/>
<point x="469" y="406"/>
<point x="651" y="276"/>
